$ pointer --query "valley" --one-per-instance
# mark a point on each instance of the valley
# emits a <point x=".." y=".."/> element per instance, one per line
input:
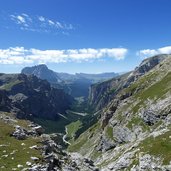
<point x="123" y="123"/>
<point x="85" y="85"/>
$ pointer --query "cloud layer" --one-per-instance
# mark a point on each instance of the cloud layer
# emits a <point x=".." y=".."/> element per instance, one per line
<point x="151" y="52"/>
<point x="20" y="55"/>
<point x="39" y="24"/>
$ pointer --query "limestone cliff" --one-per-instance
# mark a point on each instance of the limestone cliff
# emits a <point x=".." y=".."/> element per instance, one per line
<point x="134" y="130"/>
<point x="102" y="93"/>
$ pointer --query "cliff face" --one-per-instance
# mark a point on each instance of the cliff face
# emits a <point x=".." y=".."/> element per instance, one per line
<point x="31" y="96"/>
<point x="101" y="94"/>
<point x="133" y="132"/>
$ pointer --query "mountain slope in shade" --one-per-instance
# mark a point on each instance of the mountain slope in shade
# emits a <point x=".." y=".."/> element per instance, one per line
<point x="32" y="96"/>
<point x="75" y="84"/>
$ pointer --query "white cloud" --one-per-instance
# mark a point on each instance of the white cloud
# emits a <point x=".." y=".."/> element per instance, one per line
<point x="40" y="24"/>
<point x="51" y="22"/>
<point x="54" y="24"/>
<point x="165" y="50"/>
<point x="41" y="18"/>
<point x="20" y="19"/>
<point x="20" y="55"/>
<point x="23" y="19"/>
<point x="151" y="52"/>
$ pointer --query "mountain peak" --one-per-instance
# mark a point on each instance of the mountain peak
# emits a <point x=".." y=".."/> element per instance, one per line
<point x="43" y="72"/>
<point x="41" y="66"/>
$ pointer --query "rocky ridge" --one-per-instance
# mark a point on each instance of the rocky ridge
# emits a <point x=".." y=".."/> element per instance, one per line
<point x="133" y="132"/>
<point x="102" y="93"/>
<point x="29" y="96"/>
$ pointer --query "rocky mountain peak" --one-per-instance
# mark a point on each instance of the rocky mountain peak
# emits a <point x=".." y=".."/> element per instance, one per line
<point x="102" y="93"/>
<point x="43" y="72"/>
<point x="149" y="63"/>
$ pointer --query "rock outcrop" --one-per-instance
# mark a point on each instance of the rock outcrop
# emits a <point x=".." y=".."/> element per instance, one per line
<point x="102" y="93"/>
<point x="42" y="72"/>
<point x="133" y="132"/>
<point x="31" y="96"/>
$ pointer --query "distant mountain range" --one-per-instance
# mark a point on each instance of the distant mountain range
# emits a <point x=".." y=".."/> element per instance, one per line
<point x="75" y="84"/>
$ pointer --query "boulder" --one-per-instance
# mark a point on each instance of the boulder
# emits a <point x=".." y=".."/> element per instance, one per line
<point x="39" y="130"/>
<point x="19" y="133"/>
<point x="150" y="117"/>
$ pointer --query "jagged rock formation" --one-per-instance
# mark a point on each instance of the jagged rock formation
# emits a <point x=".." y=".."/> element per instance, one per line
<point x="30" y="96"/>
<point x="133" y="132"/>
<point x="43" y="72"/>
<point x="102" y="93"/>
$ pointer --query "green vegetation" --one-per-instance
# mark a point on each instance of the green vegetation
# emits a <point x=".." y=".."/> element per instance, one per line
<point x="134" y="163"/>
<point x="58" y="126"/>
<point x="159" y="146"/>
<point x="155" y="91"/>
<point x="72" y="128"/>
<point x="20" y="148"/>
<point x="137" y="121"/>
<point x="109" y="132"/>
<point x="142" y="83"/>
<point x="52" y="126"/>
<point x="8" y="86"/>
<point x="95" y="154"/>
<point x="94" y="128"/>
<point x="83" y="138"/>
<point x="133" y="121"/>
<point x="78" y="144"/>
<point x="112" y="91"/>
<point x="81" y="105"/>
<point x="156" y="125"/>
<point x="158" y="89"/>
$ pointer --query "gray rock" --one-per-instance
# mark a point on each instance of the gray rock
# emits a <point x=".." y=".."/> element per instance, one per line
<point x="105" y="144"/>
<point x="150" y="117"/>
<point x="38" y="129"/>
<point x="123" y="134"/>
<point x="19" y="133"/>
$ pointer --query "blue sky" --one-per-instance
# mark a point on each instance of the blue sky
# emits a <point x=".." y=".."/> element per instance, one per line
<point x="89" y="36"/>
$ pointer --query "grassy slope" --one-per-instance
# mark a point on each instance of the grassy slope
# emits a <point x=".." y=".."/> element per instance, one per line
<point x="72" y="128"/>
<point x="159" y="146"/>
<point x="8" y="86"/>
<point x="154" y="85"/>
<point x="22" y="152"/>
